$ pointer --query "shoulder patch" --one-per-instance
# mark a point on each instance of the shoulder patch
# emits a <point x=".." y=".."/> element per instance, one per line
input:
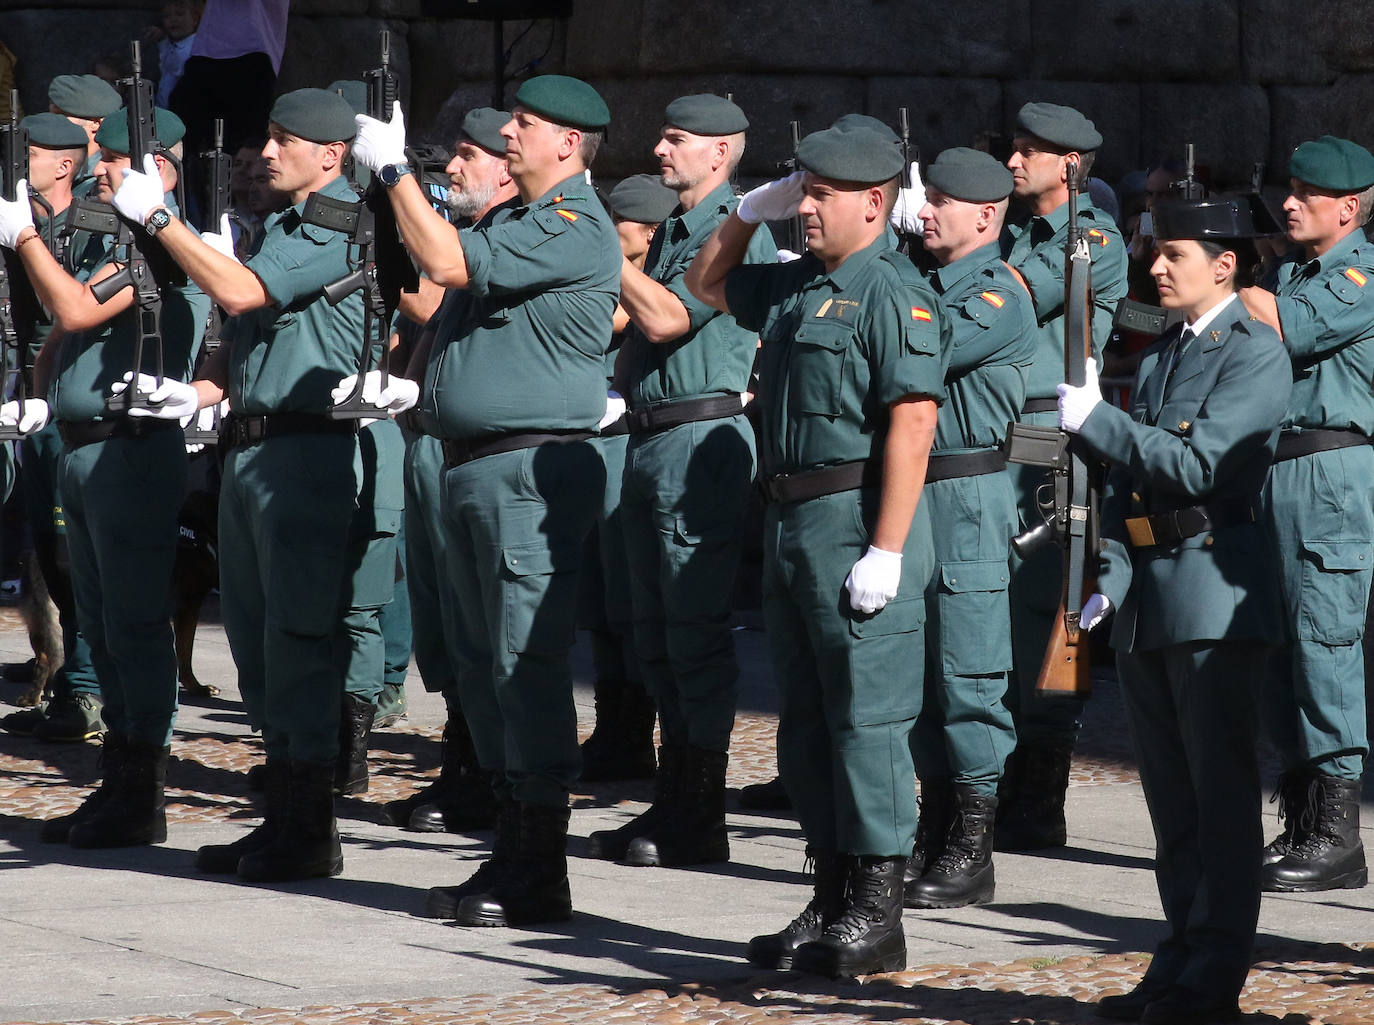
<point x="1355" y="276"/>
<point x="567" y="215"/>
<point x="1097" y="236"/>
<point x="920" y="313"/>
<point x="993" y="298"/>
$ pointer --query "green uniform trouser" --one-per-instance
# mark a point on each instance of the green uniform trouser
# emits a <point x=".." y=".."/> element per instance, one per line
<point x="121" y="498"/>
<point x="1035" y="588"/>
<point x="849" y="684"/>
<point x="285" y="509"/>
<point x="40" y="455"/>
<point x="372" y="543"/>
<point x="432" y="617"/>
<point x="1320" y="510"/>
<point x="396" y="636"/>
<point x="603" y="605"/>
<point x="1191" y="712"/>
<point x="685" y="498"/>
<point x="514" y="526"/>
<point x="965" y="732"/>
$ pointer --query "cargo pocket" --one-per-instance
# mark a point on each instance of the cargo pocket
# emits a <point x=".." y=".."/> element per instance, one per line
<point x="305" y="591"/>
<point x="540" y="598"/>
<point x="817" y="376"/>
<point x="1335" y="590"/>
<point x="886" y="661"/>
<point x="374" y="580"/>
<point x="975" y="618"/>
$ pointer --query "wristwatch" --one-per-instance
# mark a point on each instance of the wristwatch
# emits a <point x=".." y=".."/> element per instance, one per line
<point x="157" y="220"/>
<point x="390" y="174"/>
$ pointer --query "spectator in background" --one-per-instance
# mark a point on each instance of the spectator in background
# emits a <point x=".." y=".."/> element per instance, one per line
<point x="175" y="39"/>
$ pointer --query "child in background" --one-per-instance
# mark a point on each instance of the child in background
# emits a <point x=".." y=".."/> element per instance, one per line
<point x="179" y="21"/>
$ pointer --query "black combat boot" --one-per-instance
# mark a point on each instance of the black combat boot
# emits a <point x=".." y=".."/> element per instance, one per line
<point x="355" y="723"/>
<point x="443" y="901"/>
<point x="466" y="802"/>
<point x="531" y="885"/>
<point x="135" y="813"/>
<point x="932" y="829"/>
<point x="1297" y="798"/>
<point x="1033" y="818"/>
<point x="456" y="757"/>
<point x="770" y="796"/>
<point x="621" y="745"/>
<point x="962" y="874"/>
<point x="694" y="833"/>
<point x="276" y="800"/>
<point x="830" y="872"/>
<point x="867" y="936"/>
<point x="611" y="844"/>
<point x="111" y="757"/>
<point x="307" y="845"/>
<point x="599" y="749"/>
<point x="1331" y="856"/>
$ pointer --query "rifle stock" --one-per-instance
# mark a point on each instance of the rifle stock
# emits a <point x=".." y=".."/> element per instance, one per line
<point x="1066" y="669"/>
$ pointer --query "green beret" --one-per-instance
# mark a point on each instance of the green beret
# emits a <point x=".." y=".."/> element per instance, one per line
<point x="1331" y="163"/>
<point x="564" y="101"/>
<point x="84" y="96"/>
<point x="850" y="155"/>
<point x="705" y="114"/>
<point x="643" y="198"/>
<point x="848" y="121"/>
<point x="316" y="115"/>
<point x="353" y="91"/>
<point x="482" y="125"/>
<point x="970" y="175"/>
<point x="113" y="133"/>
<point x="1059" y="126"/>
<point x="53" y="131"/>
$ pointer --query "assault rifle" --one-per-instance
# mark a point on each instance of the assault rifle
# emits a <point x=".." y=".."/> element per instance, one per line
<point x="216" y="206"/>
<point x="904" y="245"/>
<point x="1072" y="520"/>
<point x="796" y="226"/>
<point x="381" y="266"/>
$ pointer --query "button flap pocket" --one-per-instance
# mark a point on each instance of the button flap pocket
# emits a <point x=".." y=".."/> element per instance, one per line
<point x="1339" y="556"/>
<point x="961" y="577"/>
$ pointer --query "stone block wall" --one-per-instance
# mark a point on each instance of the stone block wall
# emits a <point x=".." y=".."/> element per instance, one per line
<point x="1245" y="80"/>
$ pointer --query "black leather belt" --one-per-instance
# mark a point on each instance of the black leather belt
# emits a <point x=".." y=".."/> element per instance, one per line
<point x="965" y="464"/>
<point x="828" y="480"/>
<point x="1039" y="406"/>
<point x="411" y="422"/>
<point x="1303" y="443"/>
<point x="458" y="452"/>
<point x="616" y="427"/>
<point x="1169" y="528"/>
<point x="662" y="415"/>
<point x="239" y="429"/>
<point x="75" y="433"/>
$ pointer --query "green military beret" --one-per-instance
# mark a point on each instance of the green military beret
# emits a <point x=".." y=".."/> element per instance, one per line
<point x="564" y="101"/>
<point x="1331" y="163"/>
<point x="315" y="114"/>
<point x="705" y="114"/>
<point x="643" y="198"/>
<point x="850" y="154"/>
<point x="848" y="121"/>
<point x="482" y="125"/>
<point x="970" y="175"/>
<point x="1059" y="126"/>
<point x="53" y="131"/>
<point x="84" y="96"/>
<point x="353" y="91"/>
<point x="1221" y="219"/>
<point x="113" y="133"/>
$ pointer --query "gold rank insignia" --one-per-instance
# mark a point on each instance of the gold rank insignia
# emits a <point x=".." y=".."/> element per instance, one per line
<point x="567" y="215"/>
<point x="1183" y="425"/>
<point x="1216" y="336"/>
<point x="993" y="298"/>
<point x="1355" y="276"/>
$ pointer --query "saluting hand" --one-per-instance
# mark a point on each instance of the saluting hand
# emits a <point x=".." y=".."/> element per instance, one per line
<point x="874" y="580"/>
<point x="379" y="143"/>
<point x="141" y="192"/>
<point x="32" y="417"/>
<point x="15" y="215"/>
<point x="1075" y="404"/>
<point x="772" y="201"/>
<point x="909" y="202"/>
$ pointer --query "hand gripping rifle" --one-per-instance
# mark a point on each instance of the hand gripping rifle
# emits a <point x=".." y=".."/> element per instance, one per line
<point x="1072" y="521"/>
<point x="904" y="245"/>
<point x="216" y="206"/>
<point x="381" y="266"/>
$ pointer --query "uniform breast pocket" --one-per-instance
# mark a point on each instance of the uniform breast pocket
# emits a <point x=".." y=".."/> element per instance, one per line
<point x="818" y="366"/>
<point x="1178" y="414"/>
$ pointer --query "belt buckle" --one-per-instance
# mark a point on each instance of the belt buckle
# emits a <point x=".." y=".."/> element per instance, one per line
<point x="1141" y="533"/>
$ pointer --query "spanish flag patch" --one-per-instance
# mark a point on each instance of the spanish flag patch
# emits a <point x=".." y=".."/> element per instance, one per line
<point x="919" y="314"/>
<point x="1355" y="276"/>
<point x="567" y="215"/>
<point x="994" y="298"/>
<point x="1100" y="238"/>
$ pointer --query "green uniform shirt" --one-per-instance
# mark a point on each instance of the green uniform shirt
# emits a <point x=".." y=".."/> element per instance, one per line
<point x="89" y="362"/>
<point x="838" y="350"/>
<point x="716" y="354"/>
<point x="1035" y="247"/>
<point x="993" y="333"/>
<point x="526" y="352"/>
<point x="289" y="355"/>
<point x="1326" y="310"/>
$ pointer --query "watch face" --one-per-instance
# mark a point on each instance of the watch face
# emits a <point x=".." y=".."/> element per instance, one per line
<point x="392" y="173"/>
<point x="159" y="220"/>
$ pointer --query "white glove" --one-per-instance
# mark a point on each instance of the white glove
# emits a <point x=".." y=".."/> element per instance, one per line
<point x="15" y="215"/>
<point x="141" y="192"/>
<point x="615" y="409"/>
<point x="398" y="396"/>
<point x="787" y="256"/>
<point x="1075" y="404"/>
<point x="873" y="581"/>
<point x="203" y="420"/>
<point x="909" y="202"/>
<point x="172" y="400"/>
<point x="379" y="143"/>
<point x="33" y="417"/>
<point x="221" y="241"/>
<point x="772" y="201"/>
<point x="1097" y="608"/>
